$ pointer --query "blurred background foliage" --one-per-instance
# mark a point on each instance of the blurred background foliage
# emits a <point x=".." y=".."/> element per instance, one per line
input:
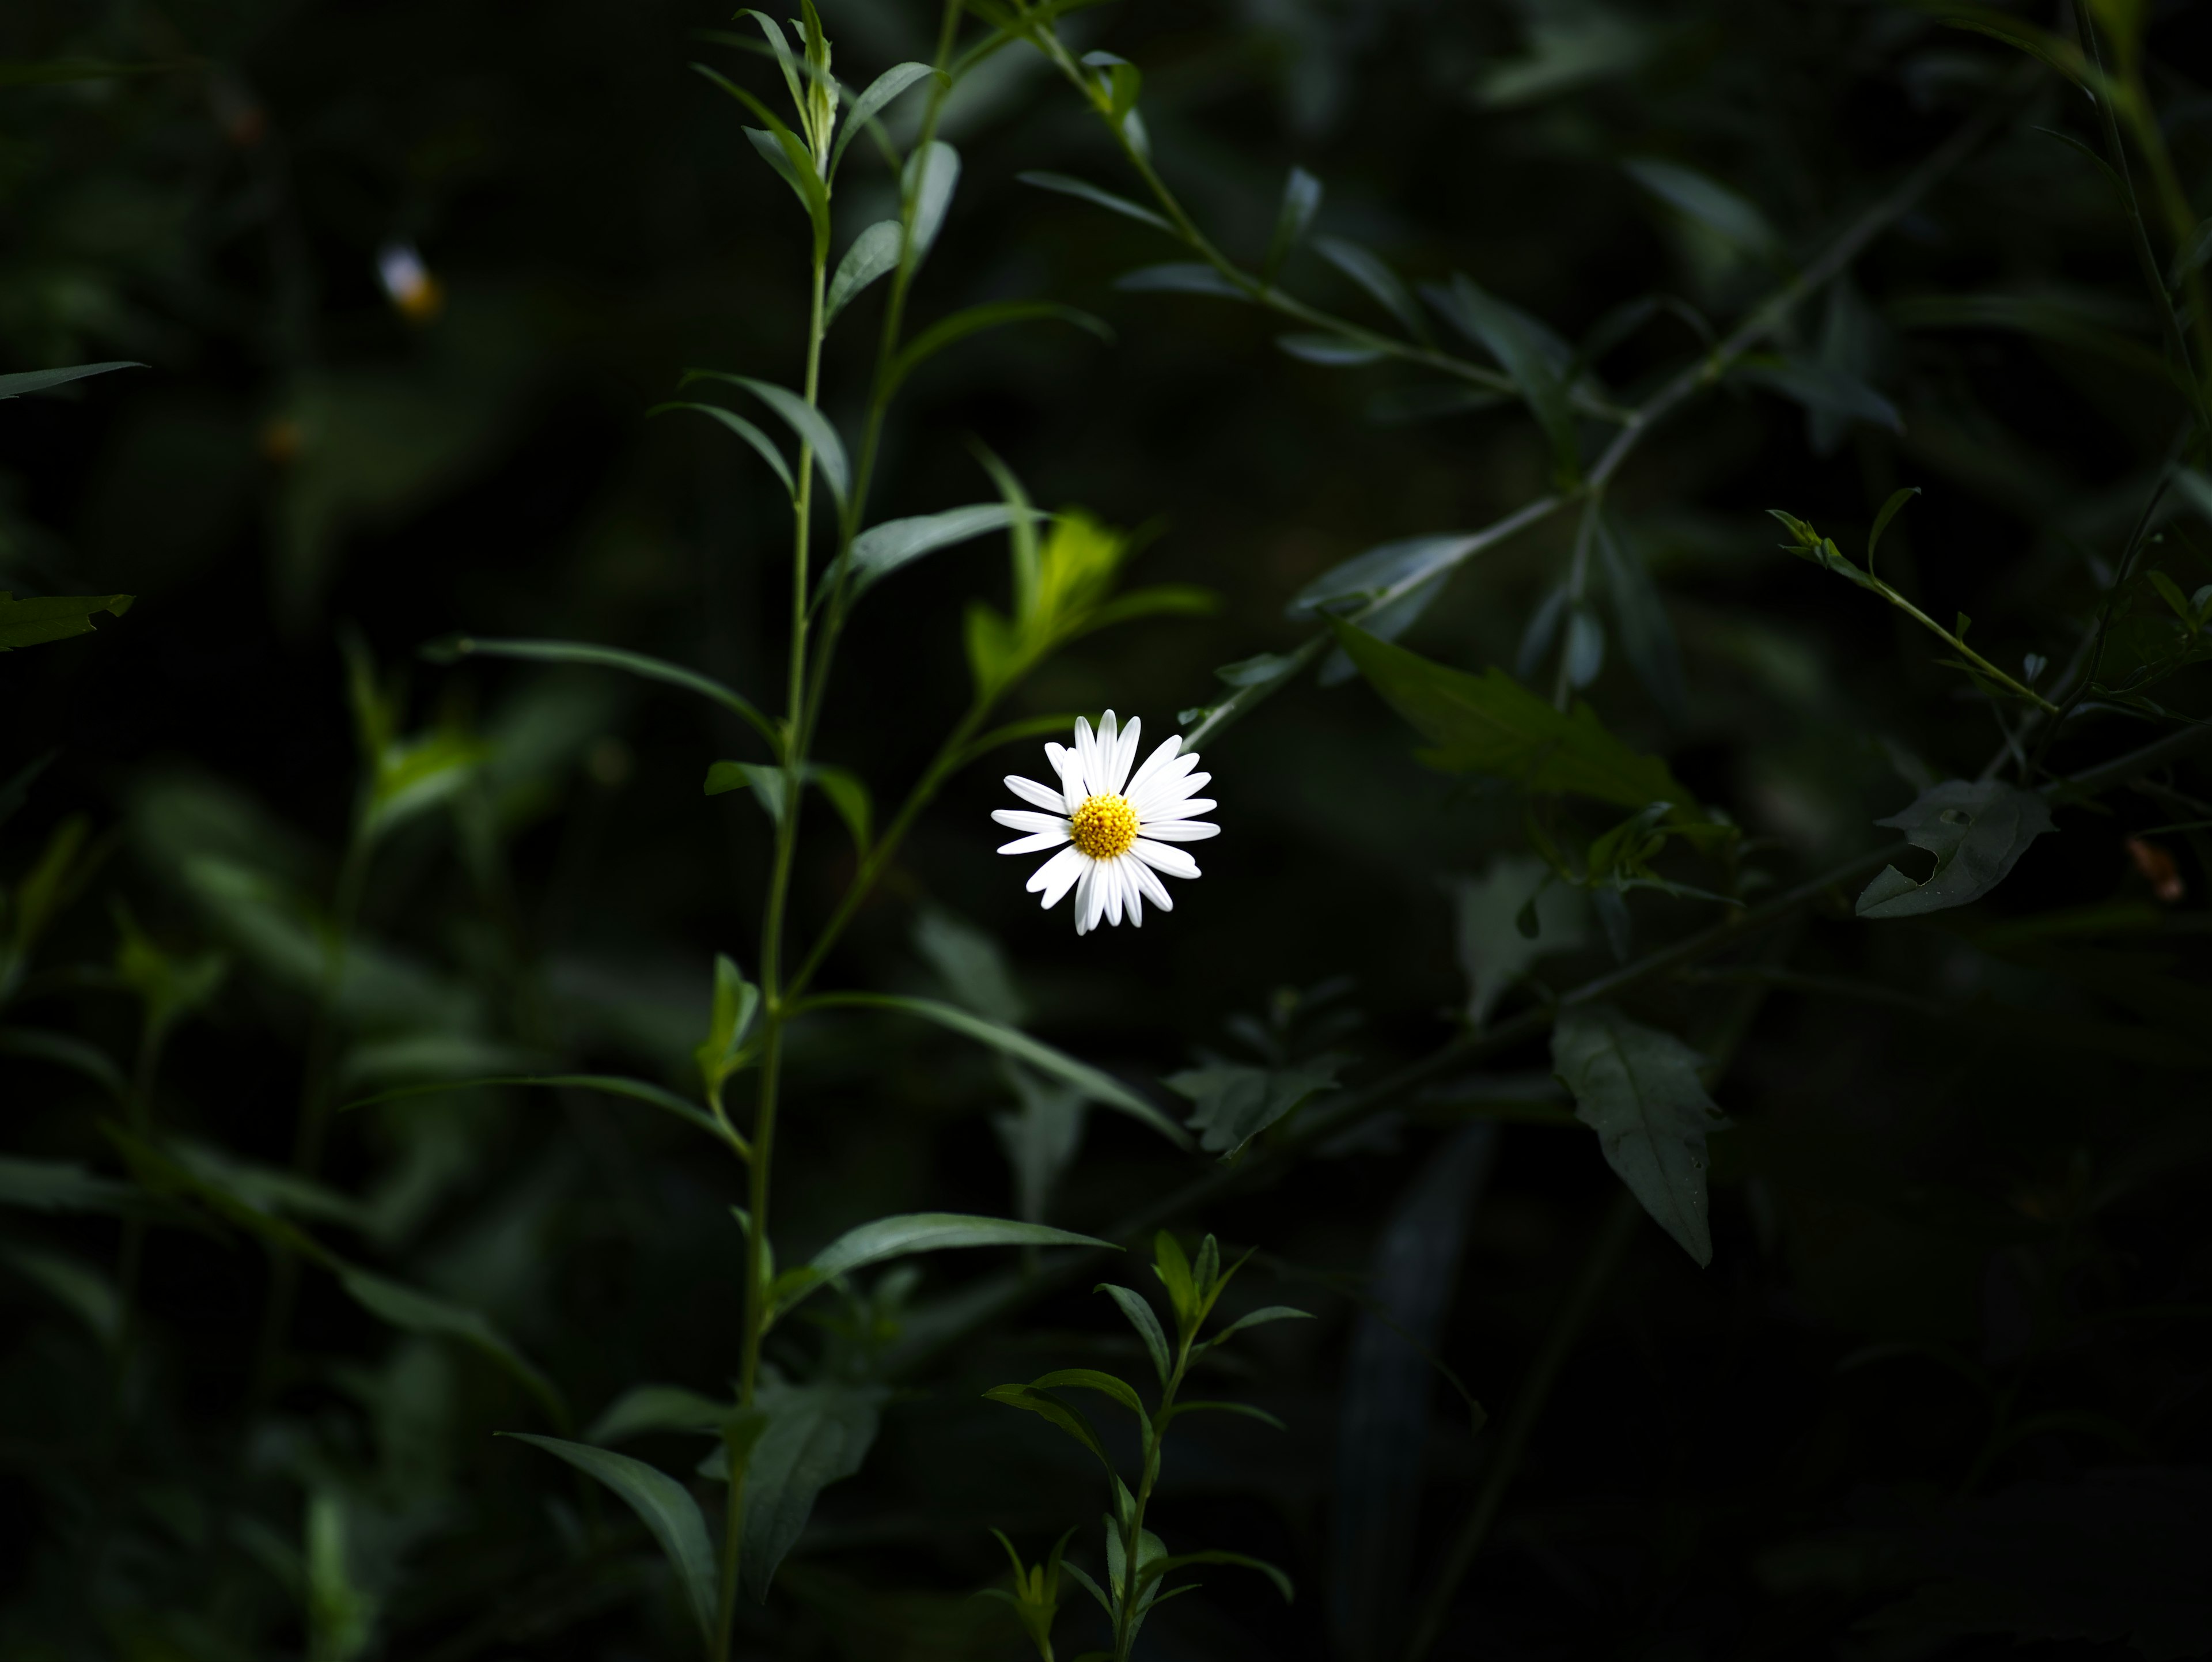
<point x="1941" y="1389"/>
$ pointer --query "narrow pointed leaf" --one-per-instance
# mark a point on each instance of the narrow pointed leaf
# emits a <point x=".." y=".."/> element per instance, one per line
<point x="934" y="1232"/>
<point x="1143" y="1317"/>
<point x="874" y="253"/>
<point x="635" y="663"/>
<point x="871" y="103"/>
<point x="1085" y="191"/>
<point x="37" y="380"/>
<point x="762" y="445"/>
<point x="664" y="1506"/>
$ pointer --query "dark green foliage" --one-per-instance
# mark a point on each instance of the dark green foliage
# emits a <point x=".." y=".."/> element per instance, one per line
<point x="1814" y="1206"/>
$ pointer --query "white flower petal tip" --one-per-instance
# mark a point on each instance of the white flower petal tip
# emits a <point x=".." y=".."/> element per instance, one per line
<point x="1112" y="831"/>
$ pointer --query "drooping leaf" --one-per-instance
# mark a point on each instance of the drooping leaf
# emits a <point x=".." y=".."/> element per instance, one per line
<point x="1521" y="347"/>
<point x="79" y="1056"/>
<point x="457" y="647"/>
<point x="993" y="314"/>
<point x="1638" y="1089"/>
<point x="815" y="1435"/>
<point x="415" y="1311"/>
<point x="1367" y="269"/>
<point x="1151" y="1570"/>
<point x="37" y="380"/>
<point x="1493" y="952"/>
<point x="53" y="617"/>
<point x="971" y="965"/>
<point x="1100" y="1087"/>
<point x="1233" y="1103"/>
<point x="874" y="253"/>
<point x="757" y="441"/>
<point x="613" y="1084"/>
<point x="1302" y="195"/>
<point x="1261" y="1318"/>
<point x="1085" y="191"/>
<point x="808" y="424"/>
<point x="1051" y="1408"/>
<point x="55" y="1185"/>
<point x="1492" y="724"/>
<point x="1977" y="832"/>
<point x="1820" y="387"/>
<point x="1646" y="634"/>
<point x="934" y="1232"/>
<point x="85" y="1291"/>
<point x="882" y="548"/>
<point x="1729" y="215"/>
<point x="657" y="1408"/>
<point x="1179" y="278"/>
<point x="1090" y="1379"/>
<point x="664" y="1506"/>
<point x="1141" y="1316"/>
<point x="1330" y="351"/>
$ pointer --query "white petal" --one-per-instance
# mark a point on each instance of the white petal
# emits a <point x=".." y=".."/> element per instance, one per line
<point x="1109" y="741"/>
<point x="1167" y="785"/>
<point x="1086" y="755"/>
<point x="1161" y="858"/>
<point x="1067" y="763"/>
<point x="1176" y="811"/>
<point x="1109" y="879"/>
<point x="1147" y="884"/>
<point x="1056" y="875"/>
<point x="1036" y="842"/>
<point x="1159" y="759"/>
<point x="1181" y="831"/>
<point x="1043" y="797"/>
<point x="1089" y="902"/>
<point x="1022" y="819"/>
<point x="1125" y="753"/>
<point x="1174" y="791"/>
<point x="1123" y="869"/>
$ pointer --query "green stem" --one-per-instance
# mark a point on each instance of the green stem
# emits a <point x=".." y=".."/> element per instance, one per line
<point x="1133" y="1529"/>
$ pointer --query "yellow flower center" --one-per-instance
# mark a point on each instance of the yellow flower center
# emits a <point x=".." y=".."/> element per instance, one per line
<point x="1103" y="826"/>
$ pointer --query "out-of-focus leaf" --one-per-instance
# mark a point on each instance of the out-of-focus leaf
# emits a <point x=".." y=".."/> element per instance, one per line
<point x="1042" y="1138"/>
<point x="1367" y="269"/>
<point x="1820" y="387"/>
<point x="1638" y="1089"/>
<point x="993" y="314"/>
<point x="1977" y="832"/>
<point x="1151" y="1570"/>
<point x="1099" y="1087"/>
<point x="37" y="380"/>
<point x="1568" y="48"/>
<point x="637" y="1090"/>
<point x="59" y="71"/>
<point x="664" y="1506"/>
<point x="770" y="786"/>
<point x="874" y="253"/>
<point x="1330" y="351"/>
<point x="1511" y="337"/>
<point x="1730" y="216"/>
<point x="67" y="1051"/>
<point x="933" y="1232"/>
<point x="1083" y="190"/>
<point x="1492" y="724"/>
<point x="415" y="1311"/>
<point x="55" y="1185"/>
<point x="1646" y="634"/>
<point x="1493" y="953"/>
<point x="1233" y="1103"/>
<point x="1179" y="278"/>
<point x="1584" y="655"/>
<point x="2057" y="321"/>
<point x="457" y="647"/>
<point x="657" y="1408"/>
<point x="930" y="179"/>
<point x="53" y="617"/>
<point x="1302" y="195"/>
<point x="77" y="1286"/>
<point x="816" y="1435"/>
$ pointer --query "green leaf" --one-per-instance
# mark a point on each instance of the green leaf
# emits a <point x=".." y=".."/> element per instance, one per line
<point x="2059" y="322"/>
<point x="1134" y="1305"/>
<point x="415" y="1311"/>
<point x="53" y="617"/>
<point x="807" y="424"/>
<point x="67" y="1051"/>
<point x="1889" y="511"/>
<point x="815" y="1435"/>
<point x="1247" y="1409"/>
<point x="1493" y="953"/>
<point x="874" y="253"/>
<point x="848" y="795"/>
<point x="1090" y="193"/>
<point x="85" y="1292"/>
<point x="1646" y="634"/>
<point x="1152" y="1570"/>
<point x="1302" y="194"/>
<point x="664" y="1506"/>
<point x="1330" y="351"/>
<point x="885" y="548"/>
<point x="1731" y="218"/>
<point x="1089" y="1379"/>
<point x="635" y="663"/>
<point x="1387" y="572"/>
<point x="2169" y="592"/>
<point x="1381" y="283"/>
<point x="769" y="786"/>
<point x="657" y="1408"/>
<point x="1261" y="1318"/>
<point x="1051" y="1408"/>
<point x="415" y="774"/>
<point x="1100" y="1087"/>
<point x="1977" y="832"/>
<point x="929" y="181"/>
<point x="57" y="71"/>
<point x="1492" y="724"/>
<point x="1638" y="1089"/>
<point x="1518" y="343"/>
<point x="1821" y="387"/>
<point x="934" y="1232"/>
<point x="1235" y="1103"/>
<point x="805" y="182"/>
<point x="971" y="963"/>
<point x="737" y="1001"/>
<point x="762" y="445"/>
<point x="995" y="314"/>
<point x="1179" y="278"/>
<point x="37" y="380"/>
<point x="55" y="1185"/>
<point x="871" y="103"/>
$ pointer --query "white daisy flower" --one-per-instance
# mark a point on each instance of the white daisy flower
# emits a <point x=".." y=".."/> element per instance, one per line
<point x="1119" y="832"/>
